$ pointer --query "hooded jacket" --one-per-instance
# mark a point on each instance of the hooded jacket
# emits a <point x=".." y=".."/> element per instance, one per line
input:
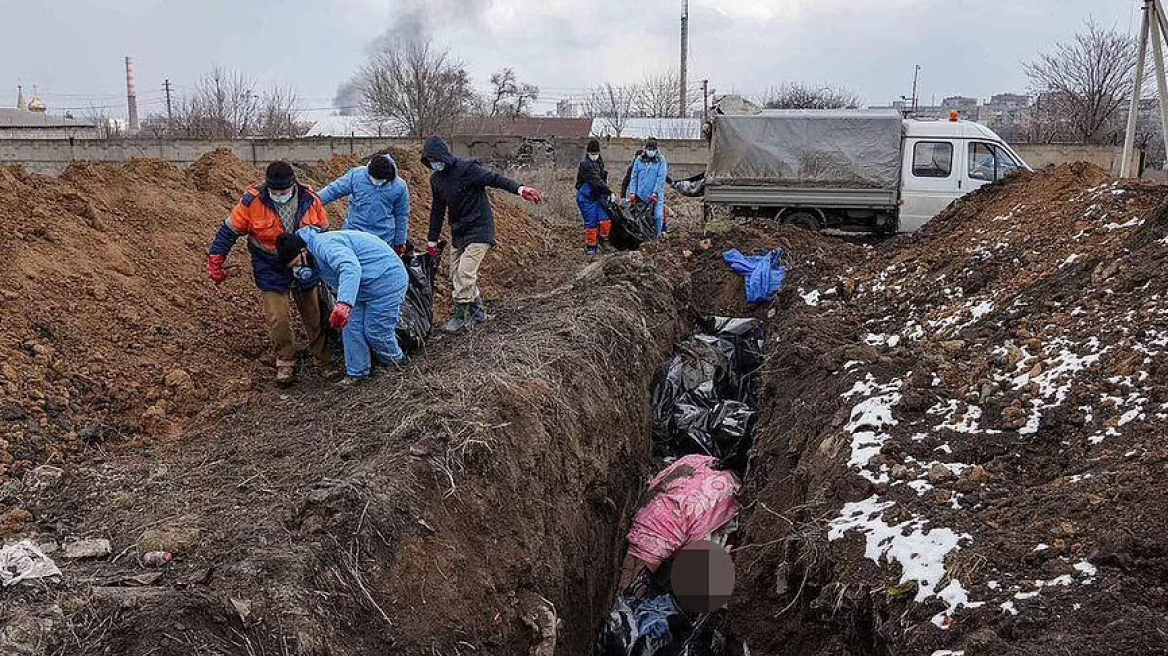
<point x="381" y="211"/>
<point x="595" y="175"/>
<point x="346" y="259"/>
<point x="460" y="190"/>
<point x="649" y="177"/>
<point x="256" y="217"/>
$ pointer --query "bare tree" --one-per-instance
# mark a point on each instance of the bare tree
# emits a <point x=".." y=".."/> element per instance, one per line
<point x="509" y="97"/>
<point x="1089" y="80"/>
<point x="107" y="128"/>
<point x="417" y="89"/>
<point x="613" y="105"/>
<point x="278" y="116"/>
<point x="658" y="95"/>
<point x="795" y="95"/>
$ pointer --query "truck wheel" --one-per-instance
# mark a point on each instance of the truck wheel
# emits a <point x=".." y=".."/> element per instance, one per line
<point x="805" y="220"/>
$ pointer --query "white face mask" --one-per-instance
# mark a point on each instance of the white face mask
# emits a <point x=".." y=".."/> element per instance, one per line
<point x="651" y="154"/>
<point x="438" y="166"/>
<point x="281" y="196"/>
<point x="594" y="156"/>
<point x="379" y="182"/>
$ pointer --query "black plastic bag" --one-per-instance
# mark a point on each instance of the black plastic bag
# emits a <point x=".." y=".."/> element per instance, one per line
<point x="417" y="312"/>
<point x="703" y="397"/>
<point x="654" y="626"/>
<point x="631" y="227"/>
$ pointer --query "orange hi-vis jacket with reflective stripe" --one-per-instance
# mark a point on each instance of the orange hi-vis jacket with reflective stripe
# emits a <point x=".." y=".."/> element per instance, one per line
<point x="256" y="217"/>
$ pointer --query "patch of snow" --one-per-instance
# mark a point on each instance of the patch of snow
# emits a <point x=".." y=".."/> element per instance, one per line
<point x="1079" y="478"/>
<point x="1131" y="454"/>
<point x="849" y="365"/>
<point x="1070" y="260"/>
<point x="982" y="309"/>
<point x="921" y="552"/>
<point x="1026" y="595"/>
<point x="921" y="487"/>
<point x="1008" y="607"/>
<point x="993" y="585"/>
<point x="1087" y="569"/>
<point x="1134" y="223"/>
<point x="1042" y="547"/>
<point x="1077" y="607"/>
<point x="811" y="298"/>
<point x="891" y="341"/>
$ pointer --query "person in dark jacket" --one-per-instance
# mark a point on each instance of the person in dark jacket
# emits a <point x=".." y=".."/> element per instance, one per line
<point x="591" y="192"/>
<point x="459" y="187"/>
<point x="279" y="205"/>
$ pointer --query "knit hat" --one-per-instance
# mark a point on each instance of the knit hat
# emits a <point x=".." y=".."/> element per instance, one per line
<point x="381" y="168"/>
<point x="594" y="146"/>
<point x="280" y="176"/>
<point x="651" y="143"/>
<point x="288" y="247"/>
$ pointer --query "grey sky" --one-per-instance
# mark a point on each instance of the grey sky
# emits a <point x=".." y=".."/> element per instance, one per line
<point x="73" y="49"/>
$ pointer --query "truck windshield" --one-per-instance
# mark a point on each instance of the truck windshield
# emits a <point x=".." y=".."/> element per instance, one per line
<point x="990" y="162"/>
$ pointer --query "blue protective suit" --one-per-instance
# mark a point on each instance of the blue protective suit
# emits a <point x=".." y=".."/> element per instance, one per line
<point x="382" y="211"/>
<point x="649" y="177"/>
<point x="370" y="277"/>
<point x="764" y="274"/>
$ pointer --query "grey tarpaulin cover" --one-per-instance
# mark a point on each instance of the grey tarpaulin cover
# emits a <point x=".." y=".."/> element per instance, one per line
<point x="855" y="149"/>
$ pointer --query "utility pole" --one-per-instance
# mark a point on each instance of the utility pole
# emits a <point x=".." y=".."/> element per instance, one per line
<point x="684" y="53"/>
<point x="705" y="101"/>
<point x="169" y="114"/>
<point x="916" y="79"/>
<point x="1154" y="28"/>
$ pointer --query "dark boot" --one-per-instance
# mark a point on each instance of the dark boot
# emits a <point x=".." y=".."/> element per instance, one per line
<point x="460" y="320"/>
<point x="478" y="313"/>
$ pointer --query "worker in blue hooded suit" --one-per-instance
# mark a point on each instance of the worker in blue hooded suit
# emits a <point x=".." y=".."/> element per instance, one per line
<point x="647" y="183"/>
<point x="379" y="201"/>
<point x="370" y="281"/>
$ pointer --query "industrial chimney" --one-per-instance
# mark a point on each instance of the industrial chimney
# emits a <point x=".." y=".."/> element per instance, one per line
<point x="684" y="54"/>
<point x="131" y="95"/>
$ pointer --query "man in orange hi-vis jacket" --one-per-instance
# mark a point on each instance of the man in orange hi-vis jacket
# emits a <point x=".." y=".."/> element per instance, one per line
<point x="274" y="207"/>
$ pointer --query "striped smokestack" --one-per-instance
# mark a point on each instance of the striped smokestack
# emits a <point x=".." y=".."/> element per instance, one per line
<point x="131" y="95"/>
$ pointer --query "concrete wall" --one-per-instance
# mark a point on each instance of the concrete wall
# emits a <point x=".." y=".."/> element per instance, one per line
<point x="1107" y="158"/>
<point x="54" y="155"/>
<point x="686" y="158"/>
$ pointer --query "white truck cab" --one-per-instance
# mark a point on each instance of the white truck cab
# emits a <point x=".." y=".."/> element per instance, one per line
<point x="850" y="170"/>
<point x="943" y="161"/>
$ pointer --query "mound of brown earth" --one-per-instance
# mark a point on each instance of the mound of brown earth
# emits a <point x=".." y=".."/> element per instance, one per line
<point x="963" y="450"/>
<point x="111" y="331"/>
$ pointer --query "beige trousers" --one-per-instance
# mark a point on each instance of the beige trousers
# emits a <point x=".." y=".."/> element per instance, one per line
<point x="279" y="320"/>
<point x="464" y="272"/>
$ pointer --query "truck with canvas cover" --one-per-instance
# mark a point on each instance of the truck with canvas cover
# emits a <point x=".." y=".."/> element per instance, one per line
<point x="849" y="170"/>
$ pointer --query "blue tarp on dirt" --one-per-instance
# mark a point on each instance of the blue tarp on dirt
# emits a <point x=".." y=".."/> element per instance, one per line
<point x="764" y="273"/>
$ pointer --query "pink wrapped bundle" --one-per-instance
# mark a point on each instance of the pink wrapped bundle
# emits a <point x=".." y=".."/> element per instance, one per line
<point x="688" y="501"/>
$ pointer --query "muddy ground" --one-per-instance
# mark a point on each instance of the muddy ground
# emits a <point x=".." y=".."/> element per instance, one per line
<point x="944" y="387"/>
<point x="963" y="448"/>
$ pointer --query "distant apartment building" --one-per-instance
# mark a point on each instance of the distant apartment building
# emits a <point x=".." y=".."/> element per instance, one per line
<point x="569" y="108"/>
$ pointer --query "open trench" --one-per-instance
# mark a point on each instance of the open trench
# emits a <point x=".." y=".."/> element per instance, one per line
<point x="454" y="511"/>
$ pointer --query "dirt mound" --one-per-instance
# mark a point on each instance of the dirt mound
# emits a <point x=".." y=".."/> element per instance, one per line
<point x="111" y="330"/>
<point x="962" y="449"/>
<point x="222" y="173"/>
<point x="441" y="510"/>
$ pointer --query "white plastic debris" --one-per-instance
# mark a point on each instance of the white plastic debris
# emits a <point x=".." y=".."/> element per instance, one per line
<point x="23" y="561"/>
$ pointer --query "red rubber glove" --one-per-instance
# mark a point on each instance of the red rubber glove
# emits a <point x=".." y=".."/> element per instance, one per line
<point x="340" y="316"/>
<point x="215" y="269"/>
<point x="432" y="249"/>
<point x="531" y="195"/>
<point x="653" y="199"/>
<point x="400" y="250"/>
<point x="632" y="199"/>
